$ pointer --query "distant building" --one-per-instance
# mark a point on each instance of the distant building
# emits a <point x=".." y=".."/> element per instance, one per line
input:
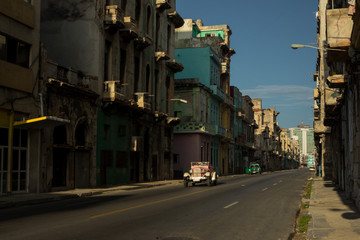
<point x="305" y="136"/>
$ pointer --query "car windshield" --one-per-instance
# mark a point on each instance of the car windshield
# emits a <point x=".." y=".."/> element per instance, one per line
<point x="200" y="164"/>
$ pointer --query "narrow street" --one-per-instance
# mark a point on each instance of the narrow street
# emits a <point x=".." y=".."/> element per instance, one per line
<point x="241" y="207"/>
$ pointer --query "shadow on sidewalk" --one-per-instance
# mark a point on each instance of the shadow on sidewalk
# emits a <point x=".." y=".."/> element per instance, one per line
<point x="355" y="214"/>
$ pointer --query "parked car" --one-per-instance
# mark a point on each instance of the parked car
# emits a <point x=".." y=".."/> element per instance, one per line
<point x="200" y="172"/>
<point x="312" y="169"/>
<point x="254" y="168"/>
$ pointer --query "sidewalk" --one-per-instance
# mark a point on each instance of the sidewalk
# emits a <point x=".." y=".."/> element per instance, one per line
<point x="333" y="217"/>
<point x="16" y="200"/>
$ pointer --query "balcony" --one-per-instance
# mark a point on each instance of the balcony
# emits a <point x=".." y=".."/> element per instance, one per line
<point x="316" y="114"/>
<point x="162" y="5"/>
<point x="331" y="96"/>
<point x="114" y="18"/>
<point x="161" y="56"/>
<point x="220" y="131"/>
<point x="316" y="94"/>
<point x="176" y="19"/>
<point x="218" y="92"/>
<point x="338" y="81"/>
<point x="319" y="128"/>
<point x="143" y="42"/>
<point x="71" y="80"/>
<point x="339" y="27"/>
<point x="143" y="100"/>
<point x="225" y="68"/>
<point x="229" y="100"/>
<point x="130" y="30"/>
<point x="113" y="91"/>
<point x="195" y="127"/>
<point x="174" y="66"/>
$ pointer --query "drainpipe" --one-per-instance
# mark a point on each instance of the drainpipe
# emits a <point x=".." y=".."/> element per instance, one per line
<point x="38" y="163"/>
<point x="10" y="151"/>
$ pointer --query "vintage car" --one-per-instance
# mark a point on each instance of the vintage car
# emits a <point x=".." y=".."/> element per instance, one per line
<point x="254" y="168"/>
<point x="200" y="172"/>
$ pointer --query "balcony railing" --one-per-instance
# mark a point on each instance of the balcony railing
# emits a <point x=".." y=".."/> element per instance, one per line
<point x="331" y="96"/>
<point x="143" y="100"/>
<point x="225" y="68"/>
<point x="218" y="92"/>
<point x="338" y="81"/>
<point x="70" y="76"/>
<point x="130" y="30"/>
<point x="162" y="5"/>
<point x="113" y="90"/>
<point x="229" y="100"/>
<point x="316" y="93"/>
<point x="114" y="17"/>
<point x="143" y="42"/>
<point x="220" y="131"/>
<point x="195" y="127"/>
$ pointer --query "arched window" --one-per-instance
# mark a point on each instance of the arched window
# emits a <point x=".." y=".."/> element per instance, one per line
<point x="148" y="79"/>
<point x="137" y="11"/>
<point x="149" y="22"/>
<point x="80" y="134"/>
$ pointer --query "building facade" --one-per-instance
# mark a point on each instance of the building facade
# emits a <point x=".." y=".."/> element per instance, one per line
<point x="205" y="53"/>
<point x="19" y="95"/>
<point x="336" y="95"/>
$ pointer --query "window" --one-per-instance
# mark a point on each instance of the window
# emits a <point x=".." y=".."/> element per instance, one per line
<point x="121" y="159"/>
<point x="136" y="72"/>
<point x="148" y="79"/>
<point x="157" y="31"/>
<point x="168" y="38"/>
<point x="148" y="19"/>
<point x="137" y="10"/>
<point x="107" y="60"/>
<point x="14" y="51"/>
<point x="19" y="161"/>
<point x="106" y="131"/>
<point x="122" y="65"/>
<point x="123" y="5"/>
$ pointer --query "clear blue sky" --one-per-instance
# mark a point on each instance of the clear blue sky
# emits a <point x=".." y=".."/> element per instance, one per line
<point x="264" y="65"/>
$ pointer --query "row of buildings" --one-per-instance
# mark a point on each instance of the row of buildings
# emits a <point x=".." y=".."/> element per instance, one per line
<point x="104" y="92"/>
<point x="336" y="96"/>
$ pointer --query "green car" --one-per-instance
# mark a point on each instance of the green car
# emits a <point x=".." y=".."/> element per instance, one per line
<point x="254" y="168"/>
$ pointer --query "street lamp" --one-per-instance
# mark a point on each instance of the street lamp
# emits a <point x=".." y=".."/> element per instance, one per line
<point x="178" y="99"/>
<point x="296" y="46"/>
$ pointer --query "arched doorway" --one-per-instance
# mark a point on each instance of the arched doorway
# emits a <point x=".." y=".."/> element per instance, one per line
<point x="60" y="157"/>
<point x="82" y="156"/>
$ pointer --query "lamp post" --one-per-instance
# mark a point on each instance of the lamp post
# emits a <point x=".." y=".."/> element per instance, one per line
<point x="296" y="46"/>
<point x="322" y="87"/>
<point x="179" y="100"/>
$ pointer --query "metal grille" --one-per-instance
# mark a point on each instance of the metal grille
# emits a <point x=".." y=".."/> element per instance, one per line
<point x="197" y="172"/>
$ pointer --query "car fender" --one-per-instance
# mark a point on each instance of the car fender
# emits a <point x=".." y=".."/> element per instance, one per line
<point x="186" y="175"/>
<point x="214" y="176"/>
<point x="207" y="174"/>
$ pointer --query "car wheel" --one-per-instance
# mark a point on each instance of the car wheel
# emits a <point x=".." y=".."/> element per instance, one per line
<point x="215" y="182"/>
<point x="209" y="181"/>
<point x="193" y="184"/>
<point x="186" y="183"/>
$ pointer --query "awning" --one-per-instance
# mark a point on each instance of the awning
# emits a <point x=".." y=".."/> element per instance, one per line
<point x="41" y="122"/>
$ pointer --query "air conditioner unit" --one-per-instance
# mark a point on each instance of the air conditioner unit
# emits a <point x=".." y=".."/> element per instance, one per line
<point x="137" y="143"/>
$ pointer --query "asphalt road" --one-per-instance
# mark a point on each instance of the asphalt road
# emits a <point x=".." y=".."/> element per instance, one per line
<point x="243" y="207"/>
